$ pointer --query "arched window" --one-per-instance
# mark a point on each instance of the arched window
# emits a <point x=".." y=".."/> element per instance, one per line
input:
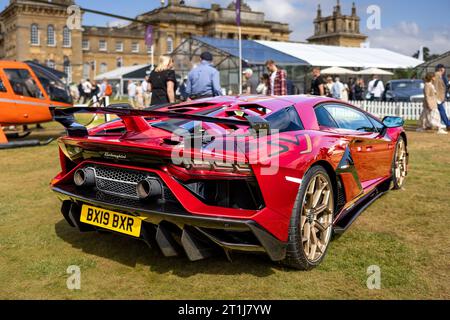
<point x="67" y="37"/>
<point x="68" y="69"/>
<point x="169" y="44"/>
<point x="51" y="40"/>
<point x="86" y="70"/>
<point x="103" y="68"/>
<point x="34" y="34"/>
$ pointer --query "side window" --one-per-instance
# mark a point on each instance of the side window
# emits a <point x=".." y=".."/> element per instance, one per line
<point x="324" y="118"/>
<point x="285" y="120"/>
<point x="2" y="86"/>
<point x="23" y="83"/>
<point x="377" y="124"/>
<point x="350" y="119"/>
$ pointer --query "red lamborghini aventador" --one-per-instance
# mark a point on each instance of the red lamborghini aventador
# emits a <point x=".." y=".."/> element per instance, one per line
<point x="277" y="175"/>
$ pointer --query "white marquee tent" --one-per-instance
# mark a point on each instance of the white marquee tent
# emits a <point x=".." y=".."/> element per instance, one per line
<point x="332" y="56"/>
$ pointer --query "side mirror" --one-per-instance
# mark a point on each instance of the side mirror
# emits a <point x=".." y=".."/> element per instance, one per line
<point x="393" y="122"/>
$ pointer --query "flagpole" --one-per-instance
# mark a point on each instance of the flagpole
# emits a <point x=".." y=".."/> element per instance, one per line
<point x="153" y="57"/>
<point x="238" y="22"/>
<point x="240" y="60"/>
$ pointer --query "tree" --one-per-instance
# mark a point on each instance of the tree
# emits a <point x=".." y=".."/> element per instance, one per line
<point x="426" y="54"/>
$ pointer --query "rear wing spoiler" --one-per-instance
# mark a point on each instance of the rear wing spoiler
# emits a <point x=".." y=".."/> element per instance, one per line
<point x="134" y="120"/>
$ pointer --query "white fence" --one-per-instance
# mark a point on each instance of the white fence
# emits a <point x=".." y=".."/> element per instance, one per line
<point x="405" y="110"/>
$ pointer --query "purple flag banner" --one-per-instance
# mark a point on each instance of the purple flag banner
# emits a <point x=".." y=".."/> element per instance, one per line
<point x="238" y="12"/>
<point x="149" y="36"/>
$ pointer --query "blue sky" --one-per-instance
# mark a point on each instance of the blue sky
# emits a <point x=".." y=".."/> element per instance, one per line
<point x="405" y="24"/>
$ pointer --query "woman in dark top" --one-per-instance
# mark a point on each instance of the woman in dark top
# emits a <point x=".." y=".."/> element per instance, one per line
<point x="163" y="82"/>
<point x="359" y="90"/>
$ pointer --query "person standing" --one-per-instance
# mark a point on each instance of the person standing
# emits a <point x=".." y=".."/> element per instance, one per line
<point x="81" y="92"/>
<point x="87" y="90"/>
<point x="118" y="95"/>
<point x="204" y="80"/>
<point x="376" y="89"/>
<point x="441" y="90"/>
<point x="430" y="117"/>
<point x="105" y="92"/>
<point x="263" y="85"/>
<point x="318" y="83"/>
<point x="250" y="84"/>
<point x="359" y="90"/>
<point x="183" y="94"/>
<point x="95" y="93"/>
<point x="132" y="93"/>
<point x="277" y="79"/>
<point x="163" y="82"/>
<point x="351" y="89"/>
<point x="139" y="96"/>
<point x="329" y="87"/>
<point x="146" y="91"/>
<point x="338" y="89"/>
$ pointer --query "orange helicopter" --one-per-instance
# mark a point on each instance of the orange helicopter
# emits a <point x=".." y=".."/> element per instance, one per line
<point x="28" y="94"/>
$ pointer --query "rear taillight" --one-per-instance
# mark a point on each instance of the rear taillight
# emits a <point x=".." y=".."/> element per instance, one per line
<point x="238" y="168"/>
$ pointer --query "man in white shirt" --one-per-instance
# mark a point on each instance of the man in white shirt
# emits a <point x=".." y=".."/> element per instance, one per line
<point x="132" y="93"/>
<point x="87" y="89"/>
<point x="146" y="88"/>
<point x="337" y="89"/>
<point x="376" y="88"/>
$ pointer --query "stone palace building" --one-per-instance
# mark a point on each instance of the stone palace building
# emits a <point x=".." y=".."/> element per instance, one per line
<point x="33" y="30"/>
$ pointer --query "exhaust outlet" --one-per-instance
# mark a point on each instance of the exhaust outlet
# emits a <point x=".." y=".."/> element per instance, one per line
<point x="84" y="177"/>
<point x="148" y="189"/>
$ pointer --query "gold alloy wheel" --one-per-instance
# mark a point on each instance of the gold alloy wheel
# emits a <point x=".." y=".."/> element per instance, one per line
<point x="401" y="163"/>
<point x="317" y="217"/>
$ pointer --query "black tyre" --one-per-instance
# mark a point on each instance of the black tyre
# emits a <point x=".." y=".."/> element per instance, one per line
<point x="400" y="164"/>
<point x="311" y="225"/>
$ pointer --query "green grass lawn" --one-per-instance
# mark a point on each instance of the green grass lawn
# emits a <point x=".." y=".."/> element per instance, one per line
<point x="405" y="233"/>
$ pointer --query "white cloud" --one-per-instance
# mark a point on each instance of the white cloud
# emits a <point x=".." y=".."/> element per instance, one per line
<point x="407" y="37"/>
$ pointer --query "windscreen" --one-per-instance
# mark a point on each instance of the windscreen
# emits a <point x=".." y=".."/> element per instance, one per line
<point x="55" y="87"/>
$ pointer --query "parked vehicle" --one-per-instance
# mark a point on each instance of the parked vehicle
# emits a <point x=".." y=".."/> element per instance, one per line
<point x="28" y="93"/>
<point x="404" y="91"/>
<point x="314" y="166"/>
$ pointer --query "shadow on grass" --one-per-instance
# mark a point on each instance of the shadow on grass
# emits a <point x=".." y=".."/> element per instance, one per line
<point x="131" y="252"/>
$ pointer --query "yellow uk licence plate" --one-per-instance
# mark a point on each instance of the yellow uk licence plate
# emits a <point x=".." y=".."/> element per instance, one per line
<point x="111" y="220"/>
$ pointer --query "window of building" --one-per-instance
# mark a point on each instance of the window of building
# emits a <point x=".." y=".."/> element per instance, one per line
<point x="119" y="46"/>
<point x="34" y="34"/>
<point x="51" y="39"/>
<point x="67" y="37"/>
<point x="23" y="83"/>
<point x="103" y="45"/>
<point x="135" y="47"/>
<point x="149" y="49"/>
<point x="86" y="44"/>
<point x="103" y="68"/>
<point x="169" y="44"/>
<point x="86" y="70"/>
<point x="119" y="62"/>
<point x="51" y="64"/>
<point x="68" y="69"/>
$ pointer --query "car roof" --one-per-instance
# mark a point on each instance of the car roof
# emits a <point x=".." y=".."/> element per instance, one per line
<point x="406" y="80"/>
